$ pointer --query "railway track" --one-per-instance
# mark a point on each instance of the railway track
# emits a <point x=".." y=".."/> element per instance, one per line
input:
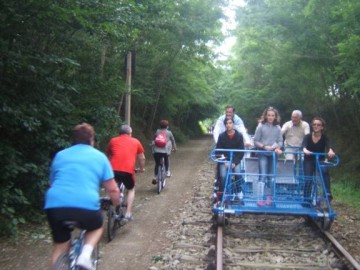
<point x="278" y="242"/>
<point x="247" y="241"/>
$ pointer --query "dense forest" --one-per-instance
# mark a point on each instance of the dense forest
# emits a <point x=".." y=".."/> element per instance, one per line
<point x="63" y="62"/>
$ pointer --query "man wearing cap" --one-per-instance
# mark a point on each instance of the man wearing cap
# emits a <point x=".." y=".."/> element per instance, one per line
<point x="123" y="151"/>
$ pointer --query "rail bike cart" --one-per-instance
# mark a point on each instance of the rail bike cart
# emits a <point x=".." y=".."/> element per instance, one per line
<point x="286" y="191"/>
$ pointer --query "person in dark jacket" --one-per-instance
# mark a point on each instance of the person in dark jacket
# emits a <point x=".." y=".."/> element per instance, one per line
<point x="230" y="139"/>
<point x="316" y="142"/>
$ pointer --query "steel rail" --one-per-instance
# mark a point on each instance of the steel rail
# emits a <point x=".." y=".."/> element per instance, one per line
<point x="219" y="248"/>
<point x="338" y="246"/>
<point x="342" y="250"/>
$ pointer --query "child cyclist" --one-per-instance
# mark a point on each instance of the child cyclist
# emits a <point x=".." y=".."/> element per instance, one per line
<point x="163" y="144"/>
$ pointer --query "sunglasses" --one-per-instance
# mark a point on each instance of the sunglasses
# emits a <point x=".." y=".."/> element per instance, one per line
<point x="316" y="125"/>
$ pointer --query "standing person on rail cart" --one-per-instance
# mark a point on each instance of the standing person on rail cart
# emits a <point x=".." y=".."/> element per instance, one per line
<point x="316" y="142"/>
<point x="230" y="139"/>
<point x="123" y="151"/>
<point x="294" y="132"/>
<point x="163" y="144"/>
<point x="238" y="125"/>
<point x="75" y="177"/>
<point x="267" y="137"/>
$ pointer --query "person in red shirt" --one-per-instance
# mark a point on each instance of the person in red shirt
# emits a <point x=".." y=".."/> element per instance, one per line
<point x="123" y="151"/>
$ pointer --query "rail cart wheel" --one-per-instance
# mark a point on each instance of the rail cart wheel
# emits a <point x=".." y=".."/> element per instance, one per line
<point x="220" y="220"/>
<point x="326" y="225"/>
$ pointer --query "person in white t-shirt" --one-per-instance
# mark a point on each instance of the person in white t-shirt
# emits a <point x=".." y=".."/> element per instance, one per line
<point x="238" y="125"/>
<point x="294" y="132"/>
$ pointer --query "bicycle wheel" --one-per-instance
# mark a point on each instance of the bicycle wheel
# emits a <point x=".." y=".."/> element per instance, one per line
<point x="112" y="223"/>
<point x="95" y="256"/>
<point x="163" y="173"/>
<point x="62" y="263"/>
<point x="159" y="179"/>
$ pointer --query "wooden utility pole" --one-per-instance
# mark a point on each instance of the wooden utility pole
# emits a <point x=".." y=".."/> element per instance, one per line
<point x="128" y="88"/>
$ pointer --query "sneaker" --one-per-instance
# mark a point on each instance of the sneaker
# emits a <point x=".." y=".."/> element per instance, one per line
<point x="128" y="218"/>
<point x="260" y="203"/>
<point x="168" y="174"/>
<point x="268" y="201"/>
<point x="84" y="263"/>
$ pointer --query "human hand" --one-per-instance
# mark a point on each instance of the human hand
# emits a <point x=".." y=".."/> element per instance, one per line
<point x="331" y="153"/>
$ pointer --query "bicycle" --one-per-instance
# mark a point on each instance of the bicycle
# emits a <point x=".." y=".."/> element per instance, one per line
<point x="67" y="261"/>
<point x="161" y="176"/>
<point x="115" y="214"/>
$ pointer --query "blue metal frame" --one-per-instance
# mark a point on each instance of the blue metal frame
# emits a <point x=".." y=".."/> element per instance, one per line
<point x="287" y="198"/>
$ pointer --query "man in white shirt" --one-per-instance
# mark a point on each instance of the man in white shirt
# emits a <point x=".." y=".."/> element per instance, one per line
<point x="294" y="132"/>
<point x="238" y="125"/>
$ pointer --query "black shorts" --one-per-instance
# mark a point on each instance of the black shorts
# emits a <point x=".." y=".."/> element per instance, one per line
<point x="125" y="178"/>
<point x="87" y="219"/>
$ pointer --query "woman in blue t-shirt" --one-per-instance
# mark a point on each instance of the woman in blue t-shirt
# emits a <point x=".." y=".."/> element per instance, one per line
<point x="76" y="175"/>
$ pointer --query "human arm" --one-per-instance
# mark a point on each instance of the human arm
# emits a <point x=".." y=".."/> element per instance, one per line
<point x="240" y="127"/>
<point x="331" y="152"/>
<point x="112" y="190"/>
<point x="109" y="150"/>
<point x="173" y="143"/>
<point x="257" y="138"/>
<point x="218" y="130"/>
<point x="141" y="159"/>
<point x="238" y="156"/>
<point x="305" y="145"/>
<point x="306" y="127"/>
<point x="285" y="128"/>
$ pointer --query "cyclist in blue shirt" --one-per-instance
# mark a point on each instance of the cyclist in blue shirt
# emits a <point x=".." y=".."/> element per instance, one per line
<point x="76" y="175"/>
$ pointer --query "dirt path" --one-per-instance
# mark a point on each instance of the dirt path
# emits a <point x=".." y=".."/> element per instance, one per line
<point x="138" y="242"/>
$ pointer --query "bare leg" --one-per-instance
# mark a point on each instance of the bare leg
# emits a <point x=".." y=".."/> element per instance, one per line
<point x="130" y="200"/>
<point x="93" y="237"/>
<point x="59" y="249"/>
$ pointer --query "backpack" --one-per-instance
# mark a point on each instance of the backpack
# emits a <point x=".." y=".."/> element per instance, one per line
<point x="160" y="139"/>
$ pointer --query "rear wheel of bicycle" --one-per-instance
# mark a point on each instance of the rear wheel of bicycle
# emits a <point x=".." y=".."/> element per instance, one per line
<point x="159" y="179"/>
<point x="62" y="263"/>
<point x="95" y="256"/>
<point x="163" y="172"/>
<point x="112" y="223"/>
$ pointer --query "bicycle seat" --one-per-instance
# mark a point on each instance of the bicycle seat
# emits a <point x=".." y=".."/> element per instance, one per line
<point x="70" y="224"/>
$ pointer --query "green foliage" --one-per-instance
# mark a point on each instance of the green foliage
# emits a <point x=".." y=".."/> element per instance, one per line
<point x="62" y="63"/>
<point x="346" y="191"/>
<point x="300" y="54"/>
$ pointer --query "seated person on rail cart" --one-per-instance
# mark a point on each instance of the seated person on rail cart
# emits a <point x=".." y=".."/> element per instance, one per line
<point x="230" y="139"/>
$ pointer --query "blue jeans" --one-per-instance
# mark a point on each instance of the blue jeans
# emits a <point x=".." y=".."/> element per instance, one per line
<point x="266" y="164"/>
<point x="309" y="181"/>
<point x="223" y="171"/>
